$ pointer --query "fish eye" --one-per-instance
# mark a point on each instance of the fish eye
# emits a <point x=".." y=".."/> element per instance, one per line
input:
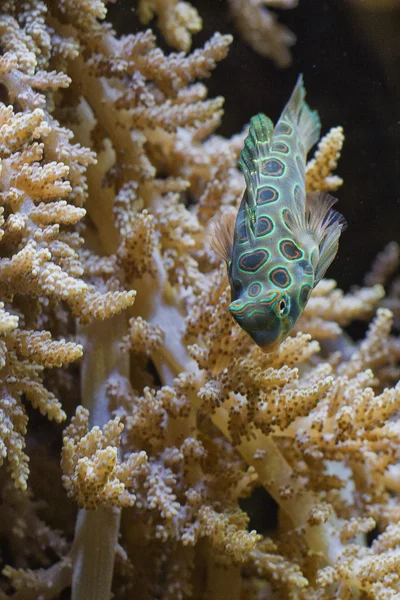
<point x="282" y="307"/>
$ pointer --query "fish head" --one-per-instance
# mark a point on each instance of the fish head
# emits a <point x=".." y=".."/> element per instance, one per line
<point x="267" y="316"/>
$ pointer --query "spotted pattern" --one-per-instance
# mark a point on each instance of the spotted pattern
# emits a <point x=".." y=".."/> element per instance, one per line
<point x="264" y="226"/>
<point x="306" y="266"/>
<point x="304" y="294"/>
<point x="273" y="167"/>
<point x="266" y="195"/>
<point x="242" y="233"/>
<point x="308" y="269"/>
<point x="271" y="298"/>
<point x="280" y="277"/>
<point x="281" y="147"/>
<point x="283" y="129"/>
<point x="286" y="217"/>
<point x="254" y="290"/>
<point x="289" y="250"/>
<point x="252" y="261"/>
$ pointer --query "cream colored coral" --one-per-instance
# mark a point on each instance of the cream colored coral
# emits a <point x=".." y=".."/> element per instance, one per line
<point x="176" y="19"/>
<point x="319" y="169"/>
<point x="7" y="322"/>
<point x="228" y="533"/>
<point x="56" y="212"/>
<point x="332" y="305"/>
<point x="372" y="571"/>
<point x="267" y="562"/>
<point x="384" y="265"/>
<point x="169" y="116"/>
<point x="33" y="390"/>
<point x="13" y="425"/>
<point x="187" y="416"/>
<point x="43" y="581"/>
<point x="41" y="258"/>
<point x="373" y="350"/>
<point x="260" y="28"/>
<point x="143" y="338"/>
<point x="93" y="475"/>
<point x="17" y="42"/>
<point x="39" y="346"/>
<point x="135" y="253"/>
<point x="177" y="71"/>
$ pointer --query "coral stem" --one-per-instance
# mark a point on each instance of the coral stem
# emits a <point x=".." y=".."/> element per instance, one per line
<point x="275" y="474"/>
<point x="223" y="582"/>
<point x="97" y="531"/>
<point x="96" y="535"/>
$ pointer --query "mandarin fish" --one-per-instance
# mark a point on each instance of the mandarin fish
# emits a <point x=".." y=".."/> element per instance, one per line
<point x="283" y="239"/>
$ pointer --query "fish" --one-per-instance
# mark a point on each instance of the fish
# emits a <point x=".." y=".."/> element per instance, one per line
<point x="282" y="240"/>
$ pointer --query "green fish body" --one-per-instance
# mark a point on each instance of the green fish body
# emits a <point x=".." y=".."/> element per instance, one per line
<point x="283" y="239"/>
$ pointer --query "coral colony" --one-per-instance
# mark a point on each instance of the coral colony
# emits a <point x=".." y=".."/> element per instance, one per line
<point x="121" y="362"/>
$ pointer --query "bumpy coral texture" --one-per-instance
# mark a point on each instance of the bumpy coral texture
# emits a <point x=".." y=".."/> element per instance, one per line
<point x="114" y="311"/>
<point x="260" y="27"/>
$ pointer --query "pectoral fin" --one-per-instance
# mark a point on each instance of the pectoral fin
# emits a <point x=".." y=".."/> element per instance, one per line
<point x="321" y="225"/>
<point x="326" y="225"/>
<point x="222" y="236"/>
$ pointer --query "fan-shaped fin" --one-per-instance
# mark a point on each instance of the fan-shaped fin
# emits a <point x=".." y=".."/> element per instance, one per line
<point x="320" y="225"/>
<point x="222" y="232"/>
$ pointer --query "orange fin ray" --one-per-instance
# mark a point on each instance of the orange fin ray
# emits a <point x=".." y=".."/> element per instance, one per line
<point x="222" y="232"/>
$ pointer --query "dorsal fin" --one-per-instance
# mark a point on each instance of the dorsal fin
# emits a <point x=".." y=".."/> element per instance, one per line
<point x="256" y="148"/>
<point x="256" y="144"/>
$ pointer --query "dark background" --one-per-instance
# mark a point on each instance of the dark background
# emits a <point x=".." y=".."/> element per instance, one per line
<point x="351" y="64"/>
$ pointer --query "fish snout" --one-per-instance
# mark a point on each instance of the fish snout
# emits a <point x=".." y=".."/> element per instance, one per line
<point x="238" y="308"/>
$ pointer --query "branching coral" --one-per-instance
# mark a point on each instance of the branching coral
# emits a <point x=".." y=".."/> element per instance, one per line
<point x="177" y="20"/>
<point x="260" y="28"/>
<point x="319" y="169"/>
<point x="92" y="474"/>
<point x="110" y="172"/>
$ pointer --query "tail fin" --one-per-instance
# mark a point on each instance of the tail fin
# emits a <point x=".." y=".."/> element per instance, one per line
<point x="298" y="111"/>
